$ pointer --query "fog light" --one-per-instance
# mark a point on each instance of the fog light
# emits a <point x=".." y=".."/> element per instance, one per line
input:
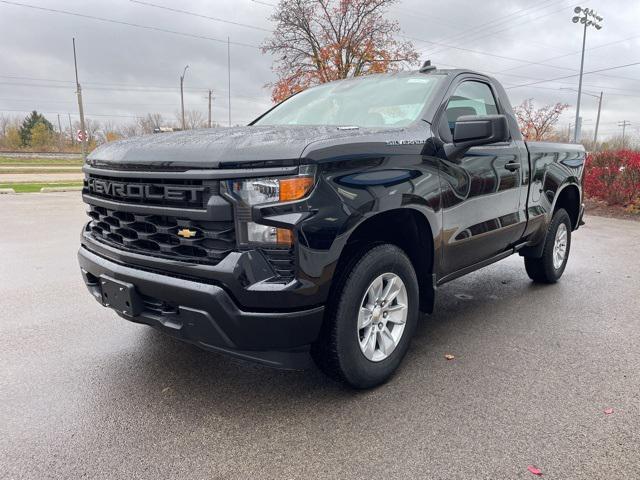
<point x="257" y="233"/>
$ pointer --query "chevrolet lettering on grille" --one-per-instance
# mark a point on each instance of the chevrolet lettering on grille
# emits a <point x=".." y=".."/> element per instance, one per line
<point x="142" y="191"/>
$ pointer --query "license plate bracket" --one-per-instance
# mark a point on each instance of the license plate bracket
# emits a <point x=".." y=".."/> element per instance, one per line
<point x="121" y="296"/>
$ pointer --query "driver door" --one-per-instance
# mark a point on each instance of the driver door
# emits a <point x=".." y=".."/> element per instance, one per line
<point x="481" y="190"/>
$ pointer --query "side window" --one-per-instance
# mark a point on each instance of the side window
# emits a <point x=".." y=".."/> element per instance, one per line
<point x="470" y="98"/>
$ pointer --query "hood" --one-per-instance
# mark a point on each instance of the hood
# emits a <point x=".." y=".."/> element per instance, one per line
<point x="220" y="147"/>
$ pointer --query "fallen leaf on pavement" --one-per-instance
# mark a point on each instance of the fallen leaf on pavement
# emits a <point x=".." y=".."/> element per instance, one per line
<point x="448" y="356"/>
<point x="166" y="389"/>
<point x="534" y="470"/>
<point x="608" y="411"/>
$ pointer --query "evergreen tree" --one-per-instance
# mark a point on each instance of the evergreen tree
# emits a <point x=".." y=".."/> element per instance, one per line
<point x="29" y="123"/>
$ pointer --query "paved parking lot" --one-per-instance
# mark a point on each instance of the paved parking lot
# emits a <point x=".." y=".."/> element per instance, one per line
<point x="85" y="394"/>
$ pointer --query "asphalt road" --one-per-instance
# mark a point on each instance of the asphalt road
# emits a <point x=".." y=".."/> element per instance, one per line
<point x="85" y="394"/>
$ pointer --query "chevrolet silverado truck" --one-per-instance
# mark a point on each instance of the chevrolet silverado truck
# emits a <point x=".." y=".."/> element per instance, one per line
<point x="323" y="229"/>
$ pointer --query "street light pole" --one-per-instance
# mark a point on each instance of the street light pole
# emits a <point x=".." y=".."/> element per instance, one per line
<point x="578" y="130"/>
<point x="182" y="95"/>
<point x="588" y="18"/>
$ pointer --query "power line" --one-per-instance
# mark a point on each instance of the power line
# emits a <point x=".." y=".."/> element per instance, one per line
<point x="75" y="114"/>
<point x="122" y="104"/>
<point x="576" y="52"/>
<point x="264" y="3"/>
<point x="575" y="75"/>
<point x="609" y="94"/>
<point x="134" y="87"/>
<point x="141" y="88"/>
<point x="524" y="62"/>
<point x="128" y="24"/>
<point x="500" y="73"/>
<point x="442" y="20"/>
<point x="527" y="62"/>
<point x="194" y="14"/>
<point x="479" y="52"/>
<point x="487" y="26"/>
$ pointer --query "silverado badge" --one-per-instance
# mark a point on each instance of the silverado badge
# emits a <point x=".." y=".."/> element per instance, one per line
<point x="186" y="233"/>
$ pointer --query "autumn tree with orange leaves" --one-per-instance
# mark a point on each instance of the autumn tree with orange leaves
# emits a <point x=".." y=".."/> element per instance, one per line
<point x="317" y="41"/>
<point x="538" y="123"/>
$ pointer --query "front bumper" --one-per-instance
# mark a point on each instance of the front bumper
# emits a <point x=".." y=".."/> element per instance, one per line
<point x="206" y="315"/>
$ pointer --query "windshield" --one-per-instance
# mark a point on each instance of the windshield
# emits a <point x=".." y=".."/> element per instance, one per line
<point x="375" y="101"/>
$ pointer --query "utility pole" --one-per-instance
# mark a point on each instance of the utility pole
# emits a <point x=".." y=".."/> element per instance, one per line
<point x="624" y="124"/>
<point x="599" y="97"/>
<point x="595" y="135"/>
<point x="588" y="18"/>
<point x="60" y="134"/>
<point x="80" y="107"/>
<point x="71" y="131"/>
<point x="229" y="76"/>
<point x="209" y="119"/>
<point x="182" y="95"/>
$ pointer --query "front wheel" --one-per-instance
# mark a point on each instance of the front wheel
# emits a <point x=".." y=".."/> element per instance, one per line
<point x="550" y="266"/>
<point x="370" y="319"/>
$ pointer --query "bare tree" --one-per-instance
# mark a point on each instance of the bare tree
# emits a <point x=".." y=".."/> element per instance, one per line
<point x="316" y="41"/>
<point x="538" y="123"/>
<point x="9" y="125"/>
<point x="5" y="122"/>
<point x="630" y="142"/>
<point x="108" y="132"/>
<point x="193" y="119"/>
<point x="150" y="122"/>
<point x="129" y="130"/>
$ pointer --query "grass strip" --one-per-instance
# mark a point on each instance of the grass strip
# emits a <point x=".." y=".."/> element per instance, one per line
<point x="39" y="170"/>
<point x="35" y="187"/>
<point x="34" y="161"/>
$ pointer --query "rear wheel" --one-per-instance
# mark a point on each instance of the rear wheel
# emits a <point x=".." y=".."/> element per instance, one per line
<point x="371" y="318"/>
<point x="550" y="266"/>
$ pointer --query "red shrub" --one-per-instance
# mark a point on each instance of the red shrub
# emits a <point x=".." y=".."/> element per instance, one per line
<point x="613" y="176"/>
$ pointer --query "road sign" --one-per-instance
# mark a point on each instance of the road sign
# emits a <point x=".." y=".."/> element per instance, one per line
<point x="82" y="136"/>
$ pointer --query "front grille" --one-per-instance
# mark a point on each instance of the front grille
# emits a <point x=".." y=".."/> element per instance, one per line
<point x="157" y="235"/>
<point x="168" y="192"/>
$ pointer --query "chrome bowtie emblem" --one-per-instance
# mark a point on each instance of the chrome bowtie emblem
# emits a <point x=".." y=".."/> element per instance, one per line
<point x="186" y="233"/>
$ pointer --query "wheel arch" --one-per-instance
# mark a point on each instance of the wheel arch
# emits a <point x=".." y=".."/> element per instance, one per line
<point x="568" y="197"/>
<point x="407" y="228"/>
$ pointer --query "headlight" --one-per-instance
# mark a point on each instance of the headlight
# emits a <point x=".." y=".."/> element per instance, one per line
<point x="258" y="191"/>
<point x="262" y="191"/>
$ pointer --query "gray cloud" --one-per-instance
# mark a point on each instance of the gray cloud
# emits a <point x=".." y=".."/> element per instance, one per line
<point x="128" y="71"/>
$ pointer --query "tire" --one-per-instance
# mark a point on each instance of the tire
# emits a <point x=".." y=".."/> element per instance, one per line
<point x="338" y="352"/>
<point x="543" y="269"/>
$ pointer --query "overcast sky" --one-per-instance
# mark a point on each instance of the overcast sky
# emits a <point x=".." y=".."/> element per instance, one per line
<point x="127" y="71"/>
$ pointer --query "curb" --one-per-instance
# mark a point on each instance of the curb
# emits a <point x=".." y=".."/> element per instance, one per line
<point x="7" y="191"/>
<point x="60" y="189"/>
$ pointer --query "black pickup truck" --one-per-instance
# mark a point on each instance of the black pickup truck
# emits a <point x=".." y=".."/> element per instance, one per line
<point x="324" y="227"/>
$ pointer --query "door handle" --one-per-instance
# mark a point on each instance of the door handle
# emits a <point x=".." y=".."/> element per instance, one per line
<point x="512" y="166"/>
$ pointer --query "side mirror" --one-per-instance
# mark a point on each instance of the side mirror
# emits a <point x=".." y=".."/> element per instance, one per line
<point x="473" y="130"/>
